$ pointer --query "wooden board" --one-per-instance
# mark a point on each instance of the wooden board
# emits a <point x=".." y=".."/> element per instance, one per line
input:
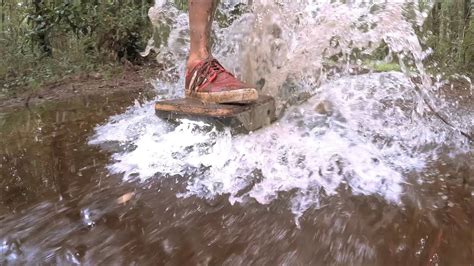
<point x="240" y="117"/>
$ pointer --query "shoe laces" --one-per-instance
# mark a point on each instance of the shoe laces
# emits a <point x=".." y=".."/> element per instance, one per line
<point x="206" y="72"/>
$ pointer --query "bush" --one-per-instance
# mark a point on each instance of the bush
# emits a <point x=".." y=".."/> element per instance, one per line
<point x="41" y="39"/>
<point x="119" y="27"/>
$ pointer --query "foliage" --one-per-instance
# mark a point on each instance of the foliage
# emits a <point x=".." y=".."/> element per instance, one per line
<point x="44" y="39"/>
<point x="449" y="30"/>
<point x="113" y="26"/>
<point x="380" y="66"/>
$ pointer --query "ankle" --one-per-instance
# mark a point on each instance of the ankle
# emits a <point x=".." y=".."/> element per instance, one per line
<point x="195" y="58"/>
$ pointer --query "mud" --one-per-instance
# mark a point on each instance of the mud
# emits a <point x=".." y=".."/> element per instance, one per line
<point x="129" y="78"/>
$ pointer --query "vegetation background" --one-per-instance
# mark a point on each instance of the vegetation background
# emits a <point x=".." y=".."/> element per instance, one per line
<point x="45" y="40"/>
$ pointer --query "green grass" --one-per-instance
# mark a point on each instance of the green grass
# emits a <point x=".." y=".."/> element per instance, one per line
<point x="379" y="66"/>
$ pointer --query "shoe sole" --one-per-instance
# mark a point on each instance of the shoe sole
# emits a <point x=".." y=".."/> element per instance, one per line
<point x="246" y="95"/>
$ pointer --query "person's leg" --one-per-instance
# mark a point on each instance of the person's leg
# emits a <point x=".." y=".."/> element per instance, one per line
<point x="201" y="15"/>
<point x="206" y="79"/>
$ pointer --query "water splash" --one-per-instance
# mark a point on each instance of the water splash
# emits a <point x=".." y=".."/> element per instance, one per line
<point x="360" y="144"/>
<point x="359" y="133"/>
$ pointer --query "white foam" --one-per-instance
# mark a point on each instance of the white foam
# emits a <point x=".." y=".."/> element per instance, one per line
<point x="374" y="134"/>
<point x="367" y="143"/>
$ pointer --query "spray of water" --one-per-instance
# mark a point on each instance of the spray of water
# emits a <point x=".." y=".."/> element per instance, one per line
<point x="361" y="133"/>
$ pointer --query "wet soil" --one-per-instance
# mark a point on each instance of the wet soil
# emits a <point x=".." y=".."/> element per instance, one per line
<point x="60" y="205"/>
<point x="128" y="78"/>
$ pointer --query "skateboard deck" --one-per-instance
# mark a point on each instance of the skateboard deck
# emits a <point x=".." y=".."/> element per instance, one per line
<point x="242" y="118"/>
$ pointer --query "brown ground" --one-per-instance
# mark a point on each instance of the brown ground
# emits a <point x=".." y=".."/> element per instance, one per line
<point x="136" y="79"/>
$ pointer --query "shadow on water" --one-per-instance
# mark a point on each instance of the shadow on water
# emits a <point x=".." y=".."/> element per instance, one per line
<point x="58" y="204"/>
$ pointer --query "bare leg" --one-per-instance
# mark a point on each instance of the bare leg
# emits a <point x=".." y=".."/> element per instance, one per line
<point x="207" y="80"/>
<point x="201" y="15"/>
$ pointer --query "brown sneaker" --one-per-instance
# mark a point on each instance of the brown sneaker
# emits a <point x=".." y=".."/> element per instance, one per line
<point x="210" y="82"/>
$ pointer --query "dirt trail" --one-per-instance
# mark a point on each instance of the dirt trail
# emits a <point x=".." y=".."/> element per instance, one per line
<point x="136" y="79"/>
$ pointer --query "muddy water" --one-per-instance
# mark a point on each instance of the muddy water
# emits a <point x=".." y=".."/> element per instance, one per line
<point x="60" y="205"/>
<point x="362" y="173"/>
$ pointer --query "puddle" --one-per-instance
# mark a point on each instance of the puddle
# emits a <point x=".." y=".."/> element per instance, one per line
<point x="362" y="173"/>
